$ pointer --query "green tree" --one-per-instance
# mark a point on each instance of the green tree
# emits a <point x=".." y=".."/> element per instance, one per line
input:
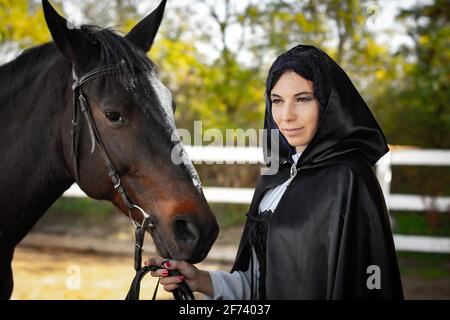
<point x="22" y="23"/>
<point x="415" y="109"/>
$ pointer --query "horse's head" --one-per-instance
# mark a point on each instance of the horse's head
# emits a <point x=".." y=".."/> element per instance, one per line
<point x="133" y="112"/>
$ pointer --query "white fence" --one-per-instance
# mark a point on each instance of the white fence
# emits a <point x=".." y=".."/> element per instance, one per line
<point x="416" y="157"/>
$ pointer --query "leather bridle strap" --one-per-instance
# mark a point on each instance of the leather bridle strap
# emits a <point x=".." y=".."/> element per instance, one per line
<point x="95" y="73"/>
<point x="93" y="131"/>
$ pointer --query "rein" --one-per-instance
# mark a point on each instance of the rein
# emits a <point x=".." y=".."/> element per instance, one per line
<point x="181" y="293"/>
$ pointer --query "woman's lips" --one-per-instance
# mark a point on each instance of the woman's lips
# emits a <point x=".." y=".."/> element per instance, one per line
<point x="293" y="131"/>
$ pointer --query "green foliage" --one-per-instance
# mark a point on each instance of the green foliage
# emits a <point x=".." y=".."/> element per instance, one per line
<point x="81" y="207"/>
<point x="22" y="22"/>
<point x="424" y="265"/>
<point x="418" y="223"/>
<point x="421" y="97"/>
<point x="229" y="215"/>
<point x="228" y="92"/>
<point x="429" y="180"/>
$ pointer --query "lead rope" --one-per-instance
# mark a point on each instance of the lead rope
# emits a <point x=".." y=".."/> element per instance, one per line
<point x="183" y="292"/>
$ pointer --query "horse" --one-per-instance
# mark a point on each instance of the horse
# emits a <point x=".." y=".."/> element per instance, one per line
<point x="128" y="153"/>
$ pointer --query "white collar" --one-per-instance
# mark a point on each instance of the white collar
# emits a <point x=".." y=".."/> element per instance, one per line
<point x="296" y="156"/>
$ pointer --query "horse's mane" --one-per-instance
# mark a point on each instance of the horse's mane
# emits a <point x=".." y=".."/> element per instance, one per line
<point x="20" y="72"/>
<point x="113" y="50"/>
<point x="117" y="50"/>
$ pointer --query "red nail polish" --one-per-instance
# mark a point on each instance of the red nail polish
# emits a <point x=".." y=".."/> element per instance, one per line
<point x="165" y="273"/>
<point x="167" y="264"/>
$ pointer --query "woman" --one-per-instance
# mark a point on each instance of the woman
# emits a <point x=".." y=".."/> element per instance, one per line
<point x="319" y="228"/>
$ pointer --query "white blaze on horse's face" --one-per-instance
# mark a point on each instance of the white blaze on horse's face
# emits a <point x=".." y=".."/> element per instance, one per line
<point x="165" y="99"/>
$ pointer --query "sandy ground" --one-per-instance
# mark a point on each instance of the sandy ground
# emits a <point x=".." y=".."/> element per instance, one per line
<point x="57" y="275"/>
<point x="88" y="261"/>
<point x="64" y="274"/>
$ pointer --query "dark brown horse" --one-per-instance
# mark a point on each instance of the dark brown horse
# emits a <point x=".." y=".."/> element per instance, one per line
<point x="133" y="112"/>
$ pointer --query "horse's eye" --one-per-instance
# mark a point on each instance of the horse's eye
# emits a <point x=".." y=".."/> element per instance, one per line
<point x="113" y="116"/>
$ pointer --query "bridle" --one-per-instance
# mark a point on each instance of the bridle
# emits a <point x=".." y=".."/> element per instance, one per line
<point x="184" y="292"/>
<point x="93" y="131"/>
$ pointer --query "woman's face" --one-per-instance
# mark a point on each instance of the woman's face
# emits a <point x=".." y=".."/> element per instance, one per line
<point x="295" y="109"/>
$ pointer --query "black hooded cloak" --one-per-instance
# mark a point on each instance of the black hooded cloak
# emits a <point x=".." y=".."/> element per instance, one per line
<point x="331" y="226"/>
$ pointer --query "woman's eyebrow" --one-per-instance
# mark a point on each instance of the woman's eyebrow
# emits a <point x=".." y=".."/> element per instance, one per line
<point x="295" y="95"/>
<point x="303" y="92"/>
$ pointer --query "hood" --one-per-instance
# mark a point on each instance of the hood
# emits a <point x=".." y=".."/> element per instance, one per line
<point x="345" y="125"/>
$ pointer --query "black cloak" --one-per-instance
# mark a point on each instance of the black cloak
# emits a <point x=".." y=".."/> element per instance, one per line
<point x="331" y="226"/>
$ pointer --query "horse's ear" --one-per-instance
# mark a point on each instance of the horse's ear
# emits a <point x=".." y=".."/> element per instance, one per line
<point x="143" y="34"/>
<point x="67" y="38"/>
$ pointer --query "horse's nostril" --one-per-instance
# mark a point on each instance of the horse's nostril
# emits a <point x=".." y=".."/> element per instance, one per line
<point x="186" y="232"/>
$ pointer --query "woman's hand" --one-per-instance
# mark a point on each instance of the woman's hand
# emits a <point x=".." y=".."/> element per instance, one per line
<point x="196" y="279"/>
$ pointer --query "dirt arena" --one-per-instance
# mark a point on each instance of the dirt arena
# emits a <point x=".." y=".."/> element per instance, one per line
<point x="61" y="275"/>
<point x="42" y="274"/>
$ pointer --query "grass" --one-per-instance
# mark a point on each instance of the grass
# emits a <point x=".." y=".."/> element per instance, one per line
<point x="419" y="223"/>
<point x="229" y="215"/>
<point x="421" y="264"/>
<point x="81" y="207"/>
<point x="424" y="265"/>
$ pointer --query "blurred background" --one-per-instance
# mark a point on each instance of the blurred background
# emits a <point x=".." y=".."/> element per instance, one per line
<point x="214" y="56"/>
